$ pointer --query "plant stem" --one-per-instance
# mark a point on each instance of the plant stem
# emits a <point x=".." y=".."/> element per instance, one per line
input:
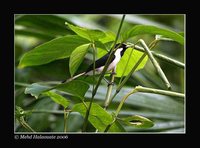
<point x="101" y="76"/>
<point x="65" y="119"/>
<point x="118" y="110"/>
<point x="145" y="90"/>
<point x="161" y="57"/>
<point x="48" y="111"/>
<point x="109" y="125"/>
<point x="92" y="98"/>
<point x="153" y="43"/>
<point x="127" y="77"/>
<point x="22" y="84"/>
<point x="109" y="90"/>
<point x="168" y="60"/>
<point x="156" y="65"/>
<point x="159" y="91"/>
<point x="25" y="125"/>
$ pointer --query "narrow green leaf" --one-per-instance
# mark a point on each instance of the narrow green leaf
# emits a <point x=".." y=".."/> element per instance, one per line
<point x="98" y="117"/>
<point x="58" y="48"/>
<point x="91" y="35"/>
<point x="77" y="57"/>
<point x="133" y="60"/>
<point x="35" y="89"/>
<point x="57" y="98"/>
<point x="138" y="121"/>
<point x="146" y="29"/>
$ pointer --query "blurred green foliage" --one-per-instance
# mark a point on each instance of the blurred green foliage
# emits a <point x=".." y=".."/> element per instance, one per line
<point x="168" y="113"/>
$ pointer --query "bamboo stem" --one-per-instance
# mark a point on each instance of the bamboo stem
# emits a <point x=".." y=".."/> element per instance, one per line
<point x="156" y="65"/>
<point x="109" y="90"/>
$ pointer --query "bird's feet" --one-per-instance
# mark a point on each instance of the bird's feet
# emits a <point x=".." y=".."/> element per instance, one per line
<point x="110" y="83"/>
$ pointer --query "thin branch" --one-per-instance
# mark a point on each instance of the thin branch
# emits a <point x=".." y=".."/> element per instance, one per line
<point x="156" y="65"/>
<point x="145" y="90"/>
<point x="127" y="77"/>
<point x="66" y="114"/>
<point x="168" y="60"/>
<point x="22" y="84"/>
<point x="47" y="111"/>
<point x="25" y="124"/>
<point x="103" y="72"/>
<point x="92" y="98"/>
<point x="161" y="57"/>
<point x="159" y="91"/>
<point x="109" y="90"/>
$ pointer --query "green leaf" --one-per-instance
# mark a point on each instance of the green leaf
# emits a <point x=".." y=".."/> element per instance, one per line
<point x="91" y="35"/>
<point x="135" y="56"/>
<point x="146" y="29"/>
<point x="35" y="89"/>
<point x="34" y="33"/>
<point x="138" y="121"/>
<point x="74" y="88"/>
<point x="109" y="36"/>
<point x="77" y="57"/>
<point x="58" y="48"/>
<point x="49" y="24"/>
<point x="101" y="46"/>
<point x="57" y="98"/>
<point x="98" y="117"/>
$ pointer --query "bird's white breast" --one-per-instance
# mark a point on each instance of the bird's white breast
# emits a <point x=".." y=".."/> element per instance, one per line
<point x="114" y="62"/>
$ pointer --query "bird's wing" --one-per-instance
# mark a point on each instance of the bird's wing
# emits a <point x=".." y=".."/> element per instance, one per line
<point x="100" y="62"/>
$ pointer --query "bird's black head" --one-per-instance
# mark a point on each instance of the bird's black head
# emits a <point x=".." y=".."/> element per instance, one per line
<point x="121" y="45"/>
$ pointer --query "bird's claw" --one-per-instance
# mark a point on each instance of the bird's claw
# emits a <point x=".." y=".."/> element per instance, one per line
<point x="110" y="83"/>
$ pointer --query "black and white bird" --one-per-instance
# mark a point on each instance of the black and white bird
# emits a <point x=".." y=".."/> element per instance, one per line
<point x="100" y="63"/>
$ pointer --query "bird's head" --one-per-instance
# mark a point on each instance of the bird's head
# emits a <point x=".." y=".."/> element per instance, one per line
<point x="122" y="47"/>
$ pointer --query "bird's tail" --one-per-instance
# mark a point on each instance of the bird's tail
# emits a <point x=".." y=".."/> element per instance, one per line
<point x="72" y="78"/>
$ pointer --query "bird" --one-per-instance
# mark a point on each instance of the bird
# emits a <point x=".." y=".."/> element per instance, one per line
<point x="100" y="63"/>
